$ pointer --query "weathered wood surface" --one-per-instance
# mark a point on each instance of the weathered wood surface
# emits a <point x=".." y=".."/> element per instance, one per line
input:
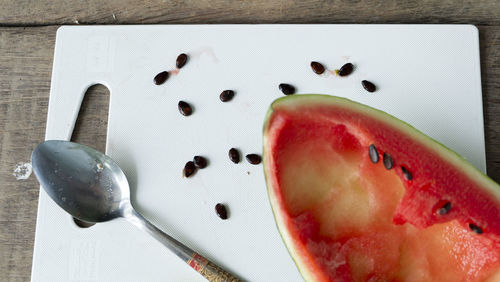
<point x="47" y="12"/>
<point x="25" y="70"/>
<point x="26" y="55"/>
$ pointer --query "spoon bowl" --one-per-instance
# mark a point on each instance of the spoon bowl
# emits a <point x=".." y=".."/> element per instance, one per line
<point x="91" y="187"/>
<point x="87" y="184"/>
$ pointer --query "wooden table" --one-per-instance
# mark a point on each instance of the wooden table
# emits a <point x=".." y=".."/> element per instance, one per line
<point x="27" y="34"/>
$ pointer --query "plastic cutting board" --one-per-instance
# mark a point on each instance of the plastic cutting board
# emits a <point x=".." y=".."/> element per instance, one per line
<point x="427" y="75"/>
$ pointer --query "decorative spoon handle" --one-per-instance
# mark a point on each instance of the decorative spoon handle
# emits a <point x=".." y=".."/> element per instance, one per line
<point x="208" y="269"/>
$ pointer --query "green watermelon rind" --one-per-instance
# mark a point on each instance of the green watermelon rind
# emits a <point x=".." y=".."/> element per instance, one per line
<point x="322" y="99"/>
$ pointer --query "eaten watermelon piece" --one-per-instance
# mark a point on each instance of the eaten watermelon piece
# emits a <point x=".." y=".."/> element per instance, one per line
<point x="359" y="195"/>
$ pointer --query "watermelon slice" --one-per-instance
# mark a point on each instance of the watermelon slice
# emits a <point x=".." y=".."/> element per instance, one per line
<point x="359" y="195"/>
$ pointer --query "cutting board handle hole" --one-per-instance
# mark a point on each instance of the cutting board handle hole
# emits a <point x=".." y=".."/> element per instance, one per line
<point x="92" y="125"/>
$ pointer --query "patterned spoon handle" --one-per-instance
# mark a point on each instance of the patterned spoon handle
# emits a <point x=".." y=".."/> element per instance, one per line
<point x="208" y="269"/>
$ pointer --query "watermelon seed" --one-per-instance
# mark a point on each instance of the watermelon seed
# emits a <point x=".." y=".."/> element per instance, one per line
<point x="234" y="155"/>
<point x="161" y="77"/>
<point x="368" y="86"/>
<point x="372" y="151"/>
<point x="287" y="89"/>
<point x="253" y="159"/>
<point x="189" y="169"/>
<point x="226" y="95"/>
<point x="388" y="163"/>
<point x="318" y="68"/>
<point x="200" y="162"/>
<point x="406" y="173"/>
<point x="475" y="228"/>
<point x="184" y="108"/>
<point x="346" y="69"/>
<point x="444" y="209"/>
<point x="181" y="60"/>
<point x="221" y="211"/>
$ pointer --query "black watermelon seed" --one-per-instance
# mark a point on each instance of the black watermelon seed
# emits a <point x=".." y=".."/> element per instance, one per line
<point x="185" y="109"/>
<point x="200" y="162"/>
<point x="444" y="209"/>
<point x="287" y="89"/>
<point x="318" y="68"/>
<point x="475" y="228"/>
<point x="181" y="60"/>
<point x="234" y="155"/>
<point x="406" y="173"/>
<point x="189" y="169"/>
<point x="253" y="159"/>
<point x="372" y="151"/>
<point x="221" y="211"/>
<point x="346" y="69"/>
<point x="368" y="86"/>
<point x="388" y="163"/>
<point x="226" y="95"/>
<point x="161" y="77"/>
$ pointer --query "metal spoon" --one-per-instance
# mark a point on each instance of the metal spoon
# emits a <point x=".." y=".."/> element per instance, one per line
<point x="91" y="187"/>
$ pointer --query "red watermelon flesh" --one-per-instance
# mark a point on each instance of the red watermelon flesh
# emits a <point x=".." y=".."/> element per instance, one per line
<point x="345" y="218"/>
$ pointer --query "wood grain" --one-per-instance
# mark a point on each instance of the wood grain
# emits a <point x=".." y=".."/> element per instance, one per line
<point x="489" y="42"/>
<point x="92" y="123"/>
<point x="25" y="68"/>
<point x="48" y="12"/>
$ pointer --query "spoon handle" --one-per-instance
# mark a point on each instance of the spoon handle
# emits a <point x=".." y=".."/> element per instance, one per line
<point x="208" y="269"/>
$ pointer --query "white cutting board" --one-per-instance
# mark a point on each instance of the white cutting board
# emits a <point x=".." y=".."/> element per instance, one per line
<point x="427" y="75"/>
